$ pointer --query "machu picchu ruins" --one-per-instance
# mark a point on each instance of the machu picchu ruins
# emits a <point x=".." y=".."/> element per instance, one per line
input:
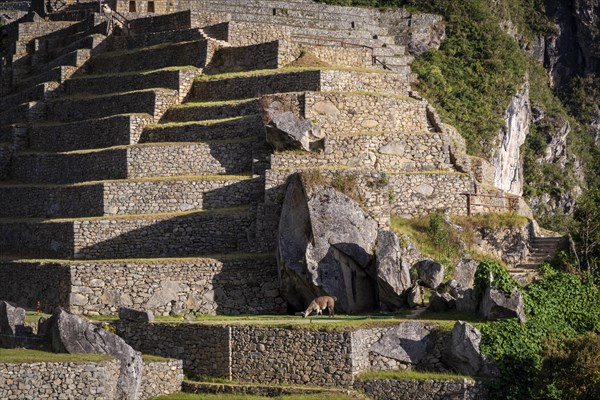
<point x="182" y="178"/>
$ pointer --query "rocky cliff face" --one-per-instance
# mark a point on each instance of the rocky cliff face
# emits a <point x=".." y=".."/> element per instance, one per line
<point x="507" y="160"/>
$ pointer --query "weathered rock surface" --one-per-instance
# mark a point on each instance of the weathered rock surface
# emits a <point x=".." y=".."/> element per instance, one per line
<point x="462" y="352"/>
<point x="507" y="160"/>
<point x="414" y="297"/>
<point x="431" y="273"/>
<point x="71" y="334"/>
<point x="325" y="244"/>
<point x="464" y="273"/>
<point x="439" y="302"/>
<point x="409" y="342"/>
<point x="464" y="297"/>
<point x="131" y="314"/>
<point x="496" y="305"/>
<point x="12" y="322"/>
<point x="393" y="273"/>
<point x="286" y="131"/>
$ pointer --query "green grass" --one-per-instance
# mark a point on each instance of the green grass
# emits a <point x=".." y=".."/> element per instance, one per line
<point x="225" y="75"/>
<point x="129" y="73"/>
<point x="316" y="396"/>
<point x="22" y="356"/>
<point x="32" y="316"/>
<point x="185" y="260"/>
<point x="411" y="375"/>
<point x="153" y="358"/>
<point x="206" y="177"/>
<point x="204" y="122"/>
<point x="105" y="95"/>
<point x="129" y="216"/>
<point x="213" y="103"/>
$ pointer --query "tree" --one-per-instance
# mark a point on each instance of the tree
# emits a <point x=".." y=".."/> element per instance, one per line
<point x="586" y="232"/>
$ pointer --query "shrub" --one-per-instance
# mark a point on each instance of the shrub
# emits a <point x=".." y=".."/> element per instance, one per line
<point x="501" y="278"/>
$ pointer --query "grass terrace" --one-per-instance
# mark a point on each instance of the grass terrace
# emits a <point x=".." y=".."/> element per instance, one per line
<point x="23" y="356"/>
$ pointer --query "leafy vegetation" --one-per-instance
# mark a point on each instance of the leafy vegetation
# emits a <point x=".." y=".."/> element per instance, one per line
<point x="559" y="305"/>
<point x="492" y="274"/>
<point x="31" y="356"/>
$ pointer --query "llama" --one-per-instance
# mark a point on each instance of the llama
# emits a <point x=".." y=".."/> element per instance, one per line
<point x="321" y="303"/>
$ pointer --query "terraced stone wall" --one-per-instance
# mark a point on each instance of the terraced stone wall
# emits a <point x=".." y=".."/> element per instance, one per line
<point x="205" y="350"/>
<point x="203" y="286"/>
<point x="347" y="56"/>
<point x="291" y="356"/>
<point x="27" y="283"/>
<point x="160" y="378"/>
<point x="71" y="380"/>
<point x="415" y="194"/>
<point x="429" y="389"/>
<point x="84" y="380"/>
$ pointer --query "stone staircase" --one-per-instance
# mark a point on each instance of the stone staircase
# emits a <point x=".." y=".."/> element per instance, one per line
<point x="106" y="173"/>
<point x="542" y="249"/>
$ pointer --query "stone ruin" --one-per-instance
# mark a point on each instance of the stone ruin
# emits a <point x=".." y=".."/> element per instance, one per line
<point x="136" y="172"/>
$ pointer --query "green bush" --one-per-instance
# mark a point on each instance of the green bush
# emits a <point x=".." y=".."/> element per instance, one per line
<point x="558" y="306"/>
<point x="501" y="278"/>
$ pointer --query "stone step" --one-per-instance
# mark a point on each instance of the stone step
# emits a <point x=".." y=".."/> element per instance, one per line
<point x="57" y="74"/>
<point x="231" y="128"/>
<point x="78" y="108"/>
<point x="397" y="61"/>
<point x="42" y="91"/>
<point x="133" y="196"/>
<point x="194" y="53"/>
<point x="26" y="112"/>
<point x="159" y="23"/>
<point x="130" y="236"/>
<point x="95" y="133"/>
<point x="53" y="44"/>
<point x="91" y="42"/>
<point x="134" y="41"/>
<point x="246" y="85"/>
<point x="209" y="111"/>
<point x="251" y="85"/>
<point x="384" y="151"/>
<point x="240" y="388"/>
<point x="179" y="79"/>
<point x="136" y="161"/>
<point x="75" y="58"/>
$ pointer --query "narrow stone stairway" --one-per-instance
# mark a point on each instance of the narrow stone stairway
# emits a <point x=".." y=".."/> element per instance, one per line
<point x="542" y="250"/>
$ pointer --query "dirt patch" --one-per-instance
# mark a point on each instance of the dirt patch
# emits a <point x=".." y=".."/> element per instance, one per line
<point x="307" y="59"/>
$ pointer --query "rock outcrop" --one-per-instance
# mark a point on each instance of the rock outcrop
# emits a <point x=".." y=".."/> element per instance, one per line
<point x="286" y="131"/>
<point x="431" y="273"/>
<point x="409" y="342"/>
<point x="71" y="334"/>
<point x="507" y="159"/>
<point x="12" y="322"/>
<point x="325" y="245"/>
<point x="131" y="314"/>
<point x="462" y="352"/>
<point x="496" y="305"/>
<point x="393" y="272"/>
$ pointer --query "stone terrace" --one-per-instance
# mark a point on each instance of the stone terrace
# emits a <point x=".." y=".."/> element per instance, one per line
<point x="135" y="170"/>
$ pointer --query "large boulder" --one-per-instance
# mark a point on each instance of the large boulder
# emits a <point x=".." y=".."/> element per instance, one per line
<point x="414" y="297"/>
<point x="12" y="323"/>
<point x="133" y="315"/>
<point x="462" y="354"/>
<point x="324" y="246"/>
<point x="286" y="131"/>
<point x="393" y="273"/>
<point x="409" y="342"/>
<point x="439" y="302"/>
<point x="464" y="272"/>
<point x="431" y="273"/>
<point x="71" y="334"/>
<point x="496" y="305"/>
<point x="464" y="297"/>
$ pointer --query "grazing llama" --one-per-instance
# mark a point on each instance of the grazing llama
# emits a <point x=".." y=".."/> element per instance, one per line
<point x="319" y="304"/>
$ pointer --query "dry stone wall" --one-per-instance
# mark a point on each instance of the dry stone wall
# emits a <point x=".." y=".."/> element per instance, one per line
<point x="161" y="378"/>
<point x="205" y="286"/>
<point x="426" y="389"/>
<point x="127" y="197"/>
<point x="84" y="380"/>
<point x="26" y="283"/>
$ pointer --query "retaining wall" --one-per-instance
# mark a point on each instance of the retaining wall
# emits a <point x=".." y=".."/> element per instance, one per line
<point x="205" y="286"/>
<point x="429" y="389"/>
